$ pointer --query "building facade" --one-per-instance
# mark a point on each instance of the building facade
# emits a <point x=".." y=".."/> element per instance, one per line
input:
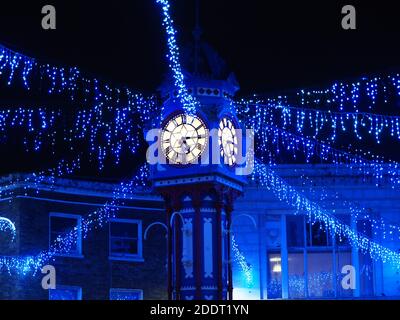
<point x="115" y="261"/>
<point x="276" y="252"/>
<point x="291" y="258"/>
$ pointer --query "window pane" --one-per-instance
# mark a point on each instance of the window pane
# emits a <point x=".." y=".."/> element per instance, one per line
<point x="124" y="246"/>
<point x="319" y="235"/>
<point x="65" y="294"/>
<point x="342" y="259"/>
<point x="273" y="231"/>
<point x="126" y="295"/>
<point x="60" y="227"/>
<point x="365" y="261"/>
<point x="274" y="287"/>
<point x="296" y="275"/>
<point x="124" y="238"/>
<point x="62" y="224"/>
<point x="123" y="229"/>
<point x="366" y="275"/>
<point x="295" y="231"/>
<point x="320" y="274"/>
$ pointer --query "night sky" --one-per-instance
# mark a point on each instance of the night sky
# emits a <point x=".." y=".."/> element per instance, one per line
<point x="271" y="46"/>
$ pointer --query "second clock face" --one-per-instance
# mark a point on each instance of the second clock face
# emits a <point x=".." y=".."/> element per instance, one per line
<point x="228" y="141"/>
<point x="184" y="139"/>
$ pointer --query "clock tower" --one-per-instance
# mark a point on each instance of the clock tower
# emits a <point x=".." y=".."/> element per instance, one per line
<point x="197" y="177"/>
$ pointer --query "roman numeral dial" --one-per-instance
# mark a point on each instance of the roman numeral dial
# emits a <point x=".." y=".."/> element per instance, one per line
<point x="228" y="141"/>
<point x="183" y="139"/>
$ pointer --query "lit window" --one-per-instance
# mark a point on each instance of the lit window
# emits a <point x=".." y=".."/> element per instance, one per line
<point x="62" y="227"/>
<point x="315" y="259"/>
<point x="126" y="294"/>
<point x="65" y="293"/>
<point x="126" y="239"/>
<point x="274" y="286"/>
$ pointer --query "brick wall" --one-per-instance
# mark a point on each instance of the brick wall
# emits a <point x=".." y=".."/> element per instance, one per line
<point x="95" y="272"/>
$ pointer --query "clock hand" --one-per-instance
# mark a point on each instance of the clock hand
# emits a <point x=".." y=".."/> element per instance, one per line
<point x="185" y="147"/>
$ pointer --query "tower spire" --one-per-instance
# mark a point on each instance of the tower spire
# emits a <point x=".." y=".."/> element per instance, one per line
<point x="197" y="35"/>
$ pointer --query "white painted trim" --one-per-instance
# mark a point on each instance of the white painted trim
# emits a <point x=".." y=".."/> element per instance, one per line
<point x="152" y="225"/>
<point x="125" y="259"/>
<point x="84" y="191"/>
<point x="208" y="254"/>
<point x="94" y="204"/>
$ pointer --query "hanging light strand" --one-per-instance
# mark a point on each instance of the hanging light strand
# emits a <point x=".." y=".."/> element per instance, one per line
<point x="274" y="142"/>
<point x="266" y="177"/>
<point x="106" y="131"/>
<point x="362" y="94"/>
<point x="380" y="226"/>
<point x="64" y="243"/>
<point x="68" y="82"/>
<point x="320" y="123"/>
<point x="240" y="259"/>
<point x="187" y="100"/>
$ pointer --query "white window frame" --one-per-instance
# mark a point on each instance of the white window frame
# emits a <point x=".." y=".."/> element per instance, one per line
<point x="305" y="250"/>
<point x="131" y="257"/>
<point x="78" y="218"/>
<point x="62" y="287"/>
<point x="119" y="290"/>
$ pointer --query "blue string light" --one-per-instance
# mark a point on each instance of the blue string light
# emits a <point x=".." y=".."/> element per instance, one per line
<point x="48" y="176"/>
<point x="67" y="81"/>
<point x="273" y="141"/>
<point x="121" y="131"/>
<point x="107" y="131"/>
<point x="380" y="226"/>
<point x="95" y="220"/>
<point x="316" y="282"/>
<point x="241" y="261"/>
<point x="6" y="225"/>
<point x="364" y="93"/>
<point x="317" y="122"/>
<point x="266" y="177"/>
<point x="113" y="123"/>
<point x="38" y="125"/>
<point x="188" y="101"/>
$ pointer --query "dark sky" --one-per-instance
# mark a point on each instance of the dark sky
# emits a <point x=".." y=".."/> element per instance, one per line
<point x="270" y="45"/>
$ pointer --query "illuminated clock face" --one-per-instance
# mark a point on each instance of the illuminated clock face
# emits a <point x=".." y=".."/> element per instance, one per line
<point x="228" y="141"/>
<point x="184" y="139"/>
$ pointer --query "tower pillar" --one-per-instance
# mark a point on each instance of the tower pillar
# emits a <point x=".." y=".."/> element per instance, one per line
<point x="199" y="265"/>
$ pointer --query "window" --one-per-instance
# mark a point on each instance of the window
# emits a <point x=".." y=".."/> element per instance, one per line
<point x="126" y="294"/>
<point x="365" y="261"/>
<point x="62" y="225"/>
<point x="295" y="231"/>
<point x="315" y="259"/>
<point x="126" y="240"/>
<point x="65" y="293"/>
<point x="342" y="259"/>
<point x="296" y="275"/>
<point x="274" y="286"/>
<point x="320" y="275"/>
<point x="317" y="236"/>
